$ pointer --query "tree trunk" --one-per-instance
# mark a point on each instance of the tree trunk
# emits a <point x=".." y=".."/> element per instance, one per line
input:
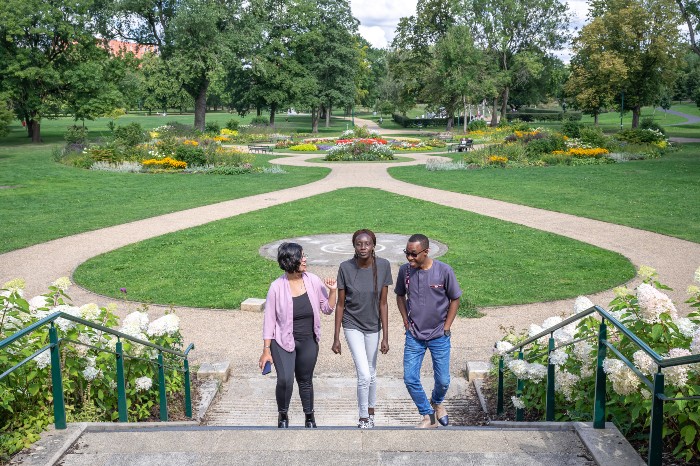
<point x="595" y="118"/>
<point x="328" y="116"/>
<point x="36" y="130"/>
<point x="450" y="123"/>
<point x="636" y="110"/>
<point x="273" y="109"/>
<point x="200" y="106"/>
<point x="494" y="113"/>
<point x="464" y="103"/>
<point x="28" y="125"/>
<point x="504" y="103"/>
<point x="314" y="119"/>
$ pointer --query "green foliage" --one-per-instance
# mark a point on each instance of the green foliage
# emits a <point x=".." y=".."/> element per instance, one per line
<point x="476" y="125"/>
<point x="212" y="127"/>
<point x="640" y="136"/>
<point x="193" y="155"/>
<point x="232" y="124"/>
<point x="593" y="136"/>
<point x="76" y="135"/>
<point x="232" y="170"/>
<point x="649" y="314"/>
<point x="5" y="117"/>
<point x="571" y="128"/>
<point x="130" y="135"/>
<point x="359" y="150"/>
<point x="89" y="372"/>
<point x="649" y="123"/>
<point x="260" y="121"/>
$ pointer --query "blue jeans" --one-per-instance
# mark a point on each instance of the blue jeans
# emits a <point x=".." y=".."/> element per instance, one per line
<point x="413" y="354"/>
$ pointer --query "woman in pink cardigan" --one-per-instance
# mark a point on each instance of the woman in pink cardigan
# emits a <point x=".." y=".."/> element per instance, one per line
<point x="292" y="329"/>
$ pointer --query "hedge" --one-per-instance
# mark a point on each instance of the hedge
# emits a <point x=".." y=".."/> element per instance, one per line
<point x="425" y="122"/>
<point x="543" y="116"/>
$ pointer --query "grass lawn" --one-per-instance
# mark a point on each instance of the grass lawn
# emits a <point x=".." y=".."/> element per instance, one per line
<point x="44" y="200"/>
<point x="217" y="265"/>
<point x="660" y="195"/>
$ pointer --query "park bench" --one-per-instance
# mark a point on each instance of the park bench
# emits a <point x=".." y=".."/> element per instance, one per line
<point x="461" y="147"/>
<point x="259" y="148"/>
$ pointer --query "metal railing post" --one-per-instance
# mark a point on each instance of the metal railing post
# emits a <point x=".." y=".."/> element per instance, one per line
<point x="59" y="406"/>
<point x="657" y="422"/>
<point x="600" y="380"/>
<point x="499" y="406"/>
<point x="121" y="386"/>
<point x="161" y="388"/>
<point x="550" y="381"/>
<point x="519" y="391"/>
<point x="188" y="398"/>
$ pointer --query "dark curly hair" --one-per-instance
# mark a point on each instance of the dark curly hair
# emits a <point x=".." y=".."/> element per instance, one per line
<point x="289" y="257"/>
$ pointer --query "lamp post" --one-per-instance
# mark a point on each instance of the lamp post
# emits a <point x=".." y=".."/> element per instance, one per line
<point x="622" y="107"/>
<point x="353" y="116"/>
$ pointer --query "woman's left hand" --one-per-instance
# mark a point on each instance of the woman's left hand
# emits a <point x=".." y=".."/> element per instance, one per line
<point x="331" y="283"/>
<point x="384" y="347"/>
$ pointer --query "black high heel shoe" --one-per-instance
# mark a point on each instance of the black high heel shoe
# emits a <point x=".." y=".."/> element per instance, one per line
<point x="282" y="421"/>
<point x="310" y="421"/>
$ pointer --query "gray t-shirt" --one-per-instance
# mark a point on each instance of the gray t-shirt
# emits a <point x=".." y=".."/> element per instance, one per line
<point x="430" y="293"/>
<point x="361" y="303"/>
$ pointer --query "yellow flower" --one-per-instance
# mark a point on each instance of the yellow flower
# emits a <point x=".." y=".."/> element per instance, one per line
<point x="190" y="142"/>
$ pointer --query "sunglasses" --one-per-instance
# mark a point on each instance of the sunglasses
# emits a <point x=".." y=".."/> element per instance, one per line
<point x="413" y="254"/>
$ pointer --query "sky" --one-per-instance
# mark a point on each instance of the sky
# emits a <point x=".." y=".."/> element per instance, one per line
<point x="378" y="18"/>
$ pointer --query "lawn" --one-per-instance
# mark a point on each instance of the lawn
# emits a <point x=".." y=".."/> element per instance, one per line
<point x="217" y="265"/>
<point x="660" y="195"/>
<point x="44" y="200"/>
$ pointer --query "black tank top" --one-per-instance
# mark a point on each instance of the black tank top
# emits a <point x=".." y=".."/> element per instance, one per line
<point x="303" y="317"/>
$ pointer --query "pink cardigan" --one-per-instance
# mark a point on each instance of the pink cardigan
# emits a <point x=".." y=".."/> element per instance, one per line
<point x="278" y="320"/>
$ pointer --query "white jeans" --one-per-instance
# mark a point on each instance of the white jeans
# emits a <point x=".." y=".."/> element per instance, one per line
<point x="363" y="347"/>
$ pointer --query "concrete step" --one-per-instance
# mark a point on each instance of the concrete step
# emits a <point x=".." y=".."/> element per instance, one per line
<point x="251" y="402"/>
<point x="348" y="446"/>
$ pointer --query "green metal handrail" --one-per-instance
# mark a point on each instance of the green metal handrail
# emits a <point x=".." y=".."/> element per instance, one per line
<point x="59" y="407"/>
<point x="656" y="386"/>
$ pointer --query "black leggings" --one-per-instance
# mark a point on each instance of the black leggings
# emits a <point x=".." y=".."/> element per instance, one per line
<point x="300" y="362"/>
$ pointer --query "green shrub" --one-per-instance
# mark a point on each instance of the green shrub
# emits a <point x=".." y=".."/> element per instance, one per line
<point x="476" y="125"/>
<point x="130" y="135"/>
<point x="594" y="137"/>
<point x="177" y="129"/>
<point x="260" y="121"/>
<point x="556" y="159"/>
<point x="649" y="123"/>
<point x="571" y="128"/>
<point x="232" y="170"/>
<point x="193" y="155"/>
<point x="76" y="135"/>
<point x="640" y="136"/>
<point x="232" y="124"/>
<point x="212" y="128"/>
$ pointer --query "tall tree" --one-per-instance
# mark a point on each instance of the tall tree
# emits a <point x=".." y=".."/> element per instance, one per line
<point x="194" y="38"/>
<point x="690" y="13"/>
<point x="518" y="33"/>
<point x="41" y="42"/>
<point x="644" y="36"/>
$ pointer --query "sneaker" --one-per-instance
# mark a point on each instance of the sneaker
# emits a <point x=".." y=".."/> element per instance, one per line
<point x="371" y="420"/>
<point x="428" y="422"/>
<point x="365" y="424"/>
<point x="441" y="414"/>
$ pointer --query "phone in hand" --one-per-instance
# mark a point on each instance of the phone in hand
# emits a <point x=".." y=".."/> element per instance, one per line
<point x="267" y="369"/>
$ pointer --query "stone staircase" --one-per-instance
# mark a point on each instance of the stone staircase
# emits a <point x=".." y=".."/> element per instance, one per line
<point x="240" y="429"/>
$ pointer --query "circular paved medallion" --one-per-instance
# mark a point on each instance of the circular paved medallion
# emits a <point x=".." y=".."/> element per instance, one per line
<point x="334" y="249"/>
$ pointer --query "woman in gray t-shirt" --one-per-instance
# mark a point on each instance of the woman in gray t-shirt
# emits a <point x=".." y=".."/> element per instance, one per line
<point x="363" y="284"/>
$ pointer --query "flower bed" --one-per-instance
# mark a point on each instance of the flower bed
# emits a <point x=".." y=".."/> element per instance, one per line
<point x="653" y="317"/>
<point x="359" y="150"/>
<point x="89" y="375"/>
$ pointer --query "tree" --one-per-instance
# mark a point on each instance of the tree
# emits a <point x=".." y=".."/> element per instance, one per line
<point x="690" y="13"/>
<point x="517" y="35"/>
<point x="640" y="38"/>
<point x="43" y="45"/>
<point x="194" y="38"/>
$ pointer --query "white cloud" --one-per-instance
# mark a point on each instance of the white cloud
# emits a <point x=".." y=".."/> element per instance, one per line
<point x="379" y="18"/>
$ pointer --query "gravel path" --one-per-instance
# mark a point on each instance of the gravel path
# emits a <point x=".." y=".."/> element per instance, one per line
<point x="234" y="335"/>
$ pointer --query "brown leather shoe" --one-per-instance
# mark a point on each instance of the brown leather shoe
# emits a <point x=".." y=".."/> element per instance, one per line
<point x="428" y="422"/>
<point x="441" y="414"/>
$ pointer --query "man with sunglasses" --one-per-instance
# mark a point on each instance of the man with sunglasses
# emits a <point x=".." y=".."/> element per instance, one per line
<point x="427" y="294"/>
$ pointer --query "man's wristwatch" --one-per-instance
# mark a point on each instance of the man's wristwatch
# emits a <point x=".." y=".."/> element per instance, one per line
<point x="448" y="333"/>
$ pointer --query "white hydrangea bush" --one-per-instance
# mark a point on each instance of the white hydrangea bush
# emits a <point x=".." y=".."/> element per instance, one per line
<point x="88" y="362"/>
<point x="648" y="312"/>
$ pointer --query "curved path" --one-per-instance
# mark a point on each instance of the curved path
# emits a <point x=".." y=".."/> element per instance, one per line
<point x="227" y="335"/>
